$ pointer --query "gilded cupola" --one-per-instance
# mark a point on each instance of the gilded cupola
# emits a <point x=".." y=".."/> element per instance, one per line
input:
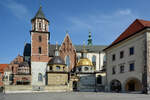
<point x="84" y="61"/>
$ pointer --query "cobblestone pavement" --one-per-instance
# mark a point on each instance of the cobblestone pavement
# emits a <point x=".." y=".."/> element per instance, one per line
<point x="74" y="96"/>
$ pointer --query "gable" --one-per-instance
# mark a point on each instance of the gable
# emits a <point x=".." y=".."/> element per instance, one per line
<point x="135" y="27"/>
<point x="67" y="44"/>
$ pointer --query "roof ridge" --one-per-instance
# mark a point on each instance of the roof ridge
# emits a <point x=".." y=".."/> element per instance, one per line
<point x="139" y="21"/>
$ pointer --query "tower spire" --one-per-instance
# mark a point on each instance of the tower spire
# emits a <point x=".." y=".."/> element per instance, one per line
<point x="84" y="51"/>
<point x="40" y="13"/>
<point x="90" y="39"/>
<point x="56" y="51"/>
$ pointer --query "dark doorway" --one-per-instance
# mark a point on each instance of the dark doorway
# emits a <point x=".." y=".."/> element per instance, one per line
<point x="115" y="86"/>
<point x="131" y="86"/>
<point x="74" y="85"/>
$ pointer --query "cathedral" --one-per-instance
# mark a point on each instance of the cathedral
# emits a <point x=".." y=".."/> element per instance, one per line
<point x="57" y="67"/>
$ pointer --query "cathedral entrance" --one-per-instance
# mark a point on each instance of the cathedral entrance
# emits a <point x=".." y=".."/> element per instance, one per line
<point x="133" y="85"/>
<point x="115" y="86"/>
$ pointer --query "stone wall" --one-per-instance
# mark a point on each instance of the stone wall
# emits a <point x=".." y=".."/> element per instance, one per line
<point x="57" y="79"/>
<point x="36" y="68"/>
<point x="87" y="82"/>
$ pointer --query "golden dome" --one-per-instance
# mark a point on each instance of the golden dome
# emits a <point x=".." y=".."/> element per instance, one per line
<point x="84" y="62"/>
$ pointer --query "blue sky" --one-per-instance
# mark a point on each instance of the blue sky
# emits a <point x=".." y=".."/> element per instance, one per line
<point x="106" y="19"/>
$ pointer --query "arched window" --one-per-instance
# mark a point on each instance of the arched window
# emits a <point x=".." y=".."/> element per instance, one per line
<point x="94" y="60"/>
<point x="67" y="61"/>
<point x="40" y="50"/>
<point x="86" y="68"/>
<point x="57" y="67"/>
<point x="99" y="79"/>
<point x="40" y="39"/>
<point x="40" y="77"/>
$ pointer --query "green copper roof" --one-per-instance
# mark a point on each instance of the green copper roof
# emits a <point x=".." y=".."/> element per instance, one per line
<point x="40" y="13"/>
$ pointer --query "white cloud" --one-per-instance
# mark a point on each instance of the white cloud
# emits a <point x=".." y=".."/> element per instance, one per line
<point x="17" y="9"/>
<point x="124" y="12"/>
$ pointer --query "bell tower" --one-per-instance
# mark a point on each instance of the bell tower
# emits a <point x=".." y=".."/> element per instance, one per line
<point x="39" y="47"/>
<point x="39" y="37"/>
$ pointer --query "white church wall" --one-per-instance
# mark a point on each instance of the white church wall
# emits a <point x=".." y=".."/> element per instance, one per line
<point x="36" y="68"/>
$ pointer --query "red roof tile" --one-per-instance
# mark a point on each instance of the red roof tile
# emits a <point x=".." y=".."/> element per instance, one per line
<point x="135" y="27"/>
<point x="2" y="67"/>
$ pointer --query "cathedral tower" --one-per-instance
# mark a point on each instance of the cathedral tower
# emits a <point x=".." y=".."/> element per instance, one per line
<point x="39" y="47"/>
<point x="90" y="39"/>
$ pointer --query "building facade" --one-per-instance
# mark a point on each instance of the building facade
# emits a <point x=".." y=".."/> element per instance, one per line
<point x="127" y="65"/>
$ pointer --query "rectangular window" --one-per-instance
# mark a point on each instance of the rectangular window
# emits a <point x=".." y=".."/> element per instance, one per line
<point x="131" y="67"/>
<point x="45" y="27"/>
<point x="40" y="39"/>
<point x="40" y="51"/>
<point x="131" y="51"/>
<point x="50" y="68"/>
<point x="114" y="70"/>
<point x="39" y="25"/>
<point x="121" y="54"/>
<point x="122" y="69"/>
<point x="113" y="57"/>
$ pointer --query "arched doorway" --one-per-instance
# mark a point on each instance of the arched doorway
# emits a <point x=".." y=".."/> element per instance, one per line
<point x="115" y="85"/>
<point x="133" y="84"/>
